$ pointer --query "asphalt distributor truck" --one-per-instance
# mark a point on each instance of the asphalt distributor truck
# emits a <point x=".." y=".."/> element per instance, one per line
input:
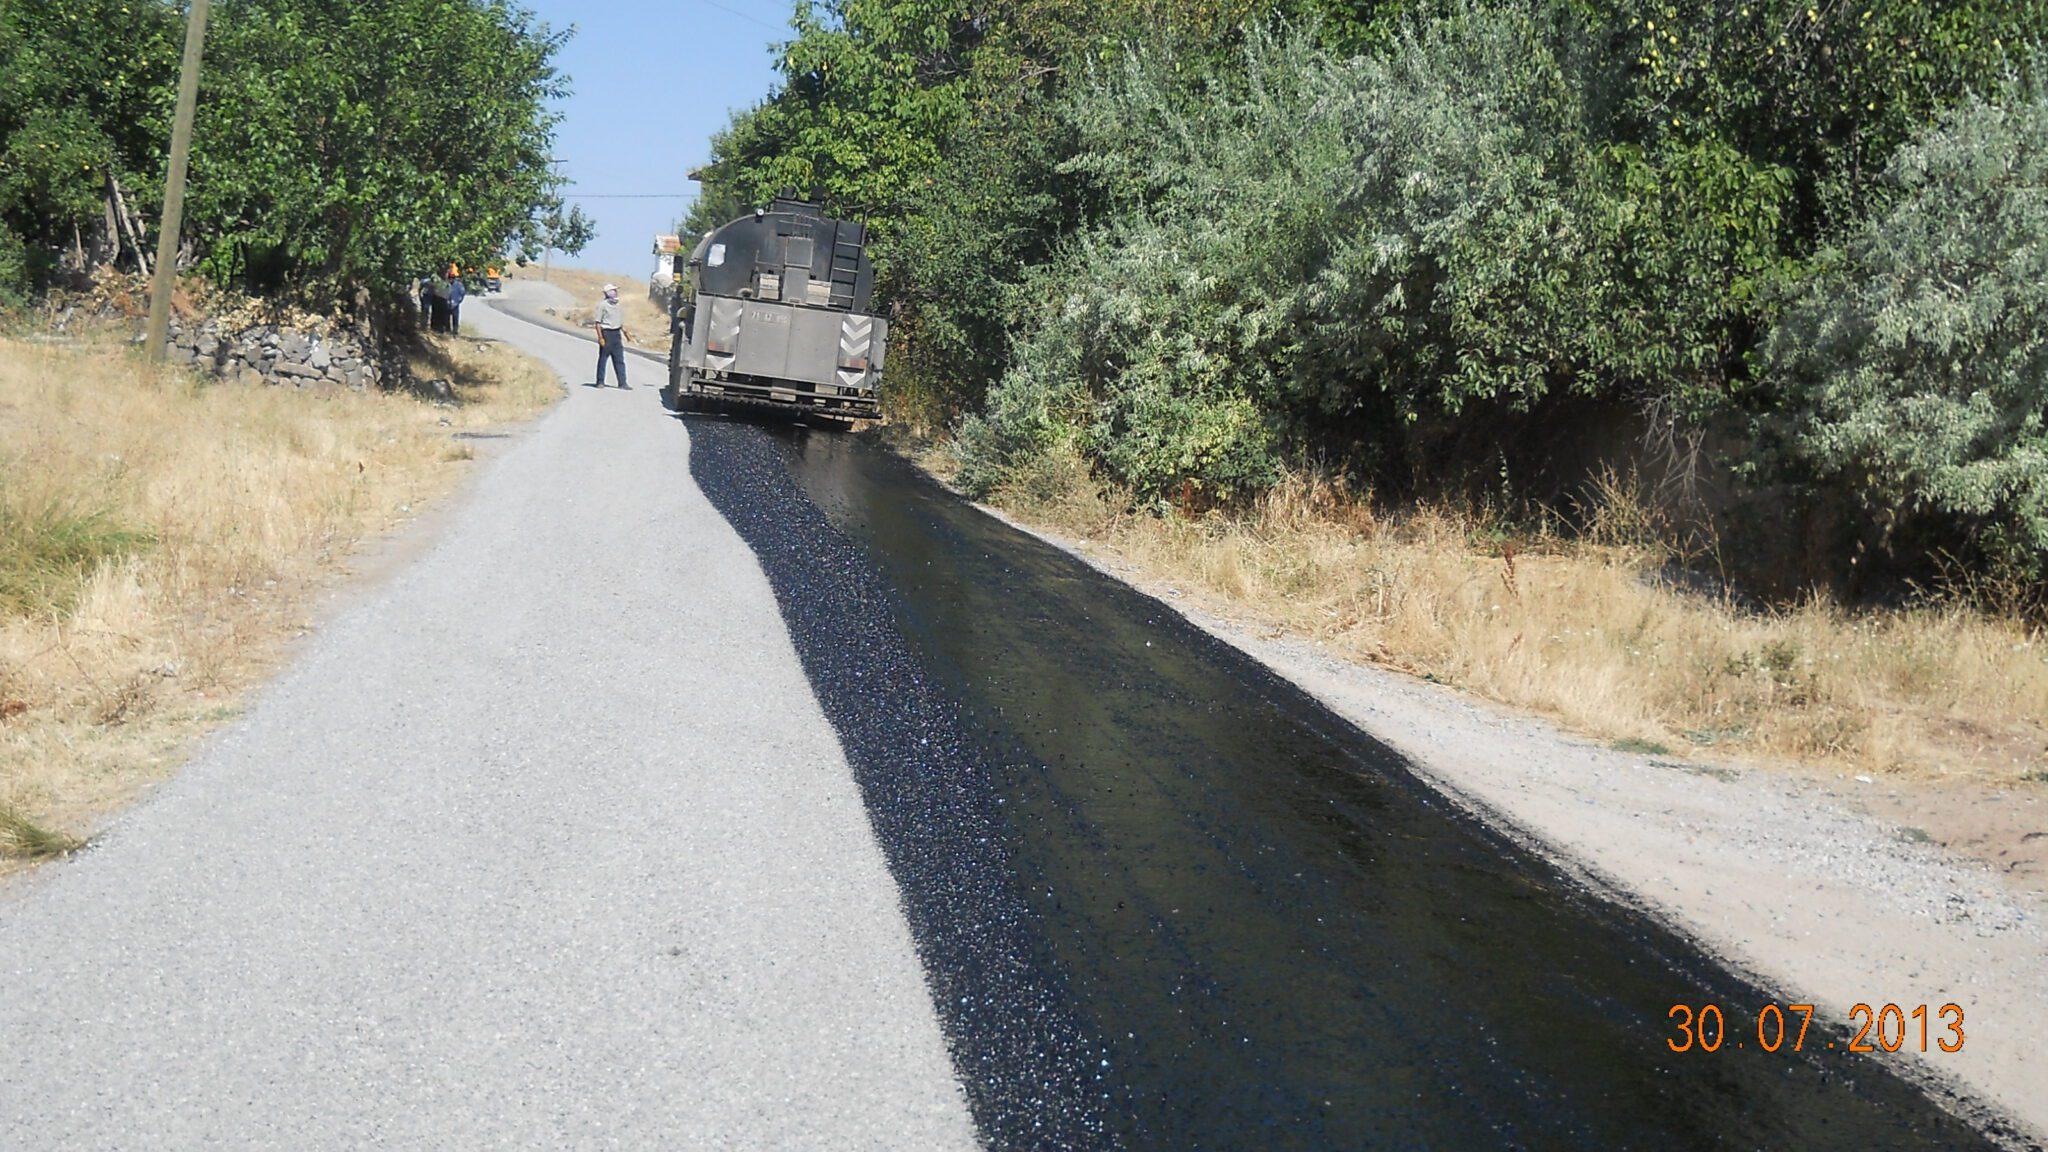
<point x="775" y="314"/>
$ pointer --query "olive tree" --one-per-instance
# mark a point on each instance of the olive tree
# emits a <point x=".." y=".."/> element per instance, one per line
<point x="1916" y="359"/>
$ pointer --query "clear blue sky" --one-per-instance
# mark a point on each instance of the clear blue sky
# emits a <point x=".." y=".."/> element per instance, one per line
<point x="653" y="80"/>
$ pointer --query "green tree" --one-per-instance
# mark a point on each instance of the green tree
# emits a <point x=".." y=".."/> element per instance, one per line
<point x="1824" y="91"/>
<point x="85" y="92"/>
<point x="557" y="227"/>
<point x="342" y="146"/>
<point x="1916" y="359"/>
<point x="338" y="147"/>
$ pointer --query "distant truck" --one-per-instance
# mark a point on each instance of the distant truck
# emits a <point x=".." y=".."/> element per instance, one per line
<point x="774" y="311"/>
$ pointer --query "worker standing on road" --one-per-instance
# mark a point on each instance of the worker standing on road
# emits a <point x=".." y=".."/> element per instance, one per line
<point x="457" y="290"/>
<point x="610" y="323"/>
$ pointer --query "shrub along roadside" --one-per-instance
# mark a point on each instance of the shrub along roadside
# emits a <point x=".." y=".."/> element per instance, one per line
<point x="1320" y="247"/>
<point x="1393" y="240"/>
<point x="1367" y="258"/>
<point x="1916" y="356"/>
<point x="174" y="531"/>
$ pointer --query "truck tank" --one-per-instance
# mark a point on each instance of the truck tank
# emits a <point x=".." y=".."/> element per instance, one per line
<point x="774" y="311"/>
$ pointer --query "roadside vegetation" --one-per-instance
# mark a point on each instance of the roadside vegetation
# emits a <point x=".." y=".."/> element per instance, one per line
<point x="339" y="149"/>
<point x="1455" y="266"/>
<point x="160" y="538"/>
<point x="1585" y="626"/>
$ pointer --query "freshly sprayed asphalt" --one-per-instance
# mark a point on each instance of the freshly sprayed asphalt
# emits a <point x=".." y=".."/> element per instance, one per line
<point x="1167" y="901"/>
<point x="542" y="844"/>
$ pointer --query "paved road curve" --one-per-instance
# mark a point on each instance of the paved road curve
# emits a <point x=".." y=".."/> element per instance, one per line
<point x="476" y="872"/>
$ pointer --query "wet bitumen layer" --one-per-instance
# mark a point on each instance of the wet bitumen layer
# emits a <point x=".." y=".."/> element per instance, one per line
<point x="1166" y="900"/>
<point x="934" y="799"/>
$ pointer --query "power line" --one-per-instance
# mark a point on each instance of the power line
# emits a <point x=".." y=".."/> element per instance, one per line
<point x="749" y="17"/>
<point x="627" y="195"/>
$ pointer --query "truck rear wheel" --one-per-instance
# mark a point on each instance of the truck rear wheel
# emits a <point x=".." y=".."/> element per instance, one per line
<point x="676" y="396"/>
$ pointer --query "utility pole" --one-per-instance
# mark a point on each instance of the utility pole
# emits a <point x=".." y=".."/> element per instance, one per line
<point x="547" y="254"/>
<point x="174" y="186"/>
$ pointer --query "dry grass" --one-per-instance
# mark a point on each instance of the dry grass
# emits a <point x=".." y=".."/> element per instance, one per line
<point x="647" y="324"/>
<point x="161" y="537"/>
<point x="1584" y="631"/>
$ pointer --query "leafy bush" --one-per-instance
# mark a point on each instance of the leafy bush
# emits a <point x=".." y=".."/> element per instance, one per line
<point x="1916" y="359"/>
<point x="1136" y="366"/>
<point x="1462" y="246"/>
<point x="1037" y="411"/>
<point x="14" y="270"/>
<point x="1308" y="241"/>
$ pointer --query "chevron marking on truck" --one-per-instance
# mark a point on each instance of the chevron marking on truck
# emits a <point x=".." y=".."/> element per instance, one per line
<point x="725" y="327"/>
<point x="856" y="333"/>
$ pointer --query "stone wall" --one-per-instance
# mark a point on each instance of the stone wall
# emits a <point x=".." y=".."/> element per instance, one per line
<point x="237" y="337"/>
<point x="336" y="354"/>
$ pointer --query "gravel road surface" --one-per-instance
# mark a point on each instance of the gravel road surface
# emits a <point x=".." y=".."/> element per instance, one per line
<point x="542" y="843"/>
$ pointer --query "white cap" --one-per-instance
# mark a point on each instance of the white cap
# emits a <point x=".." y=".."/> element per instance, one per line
<point x="611" y="287"/>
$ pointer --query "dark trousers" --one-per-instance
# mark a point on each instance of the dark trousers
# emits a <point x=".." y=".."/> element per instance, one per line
<point x="455" y="317"/>
<point x="611" y="344"/>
